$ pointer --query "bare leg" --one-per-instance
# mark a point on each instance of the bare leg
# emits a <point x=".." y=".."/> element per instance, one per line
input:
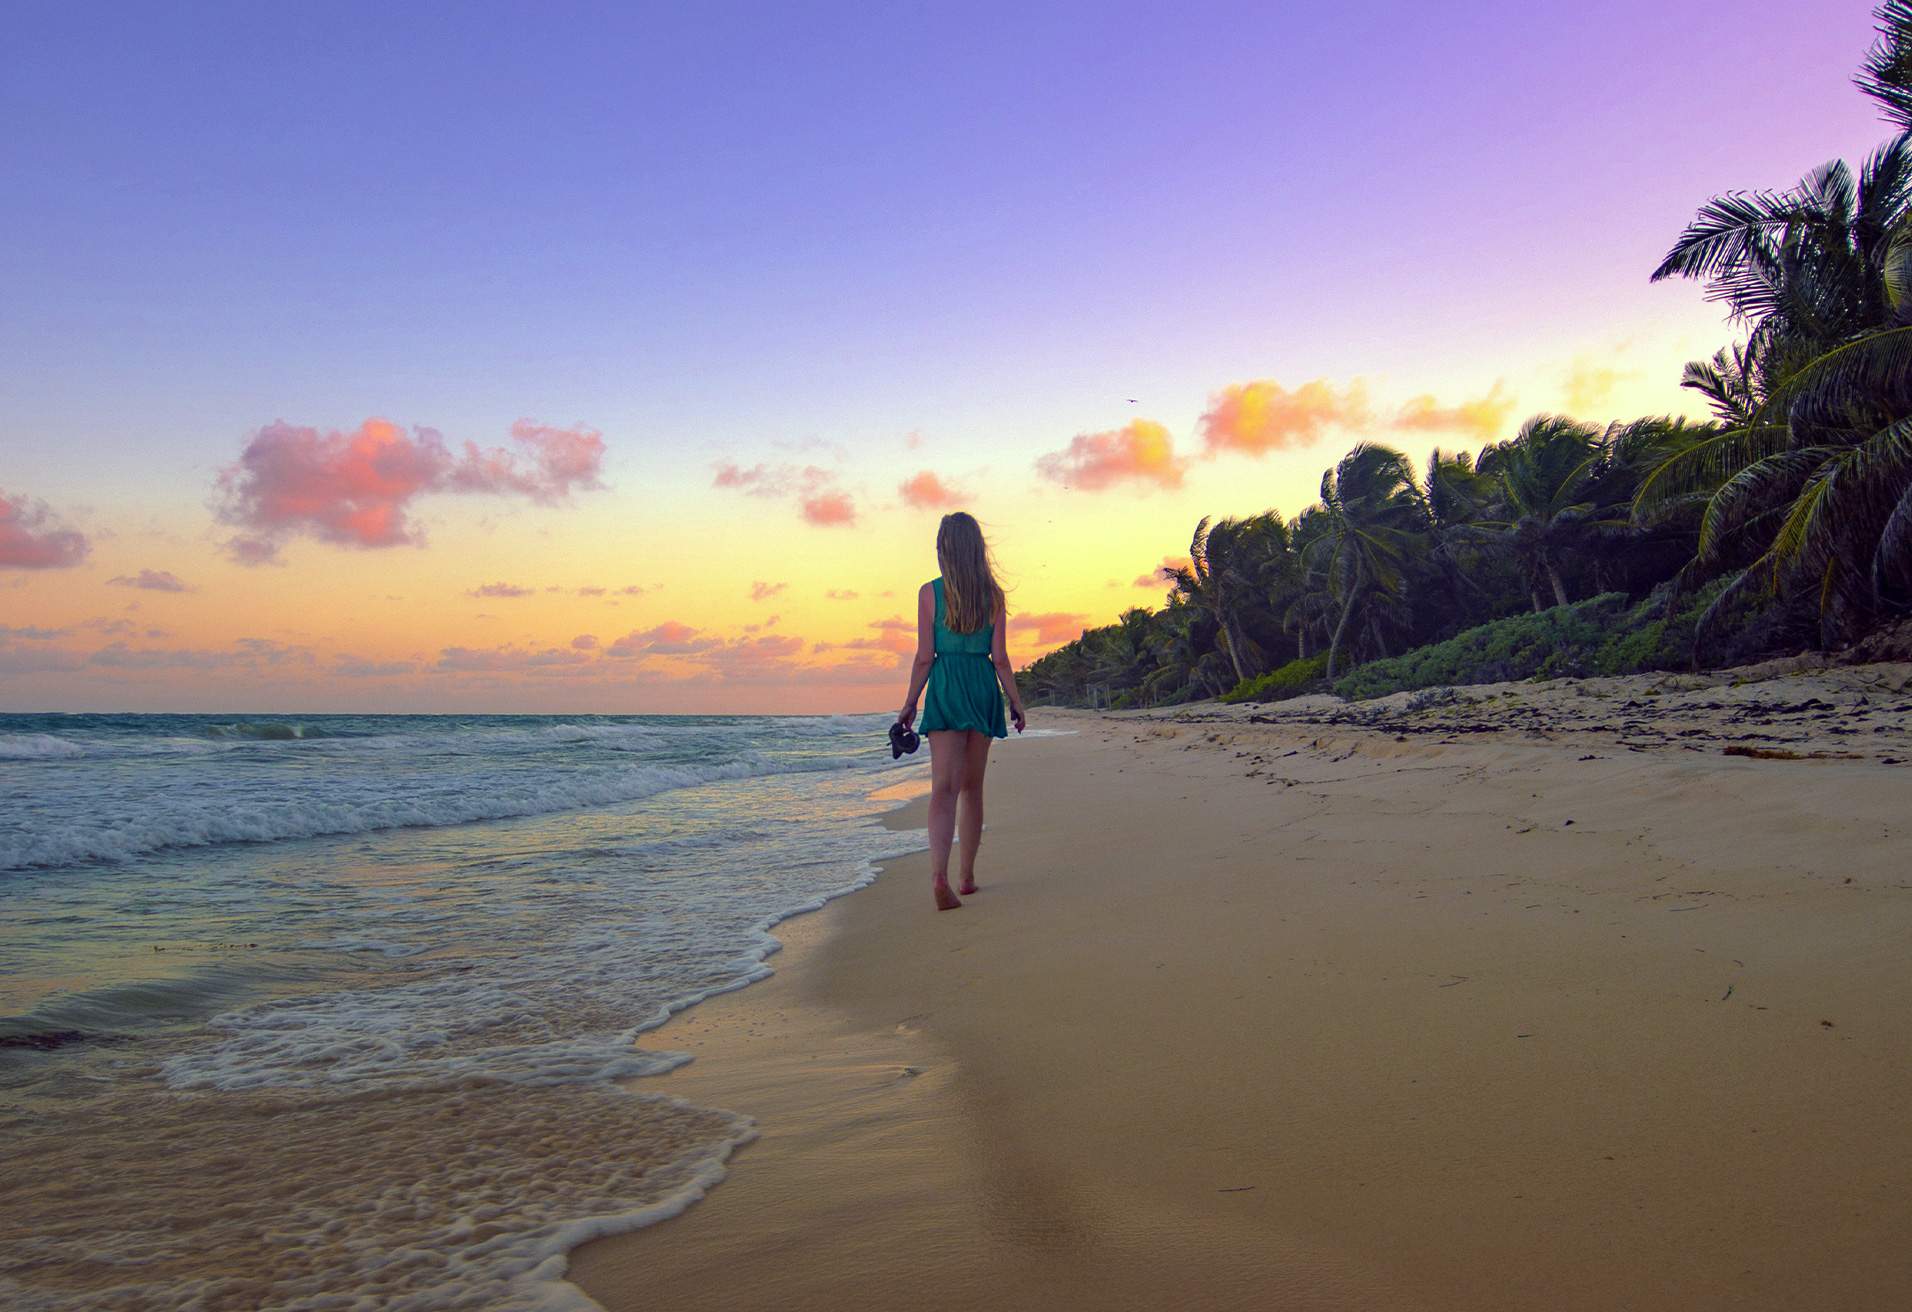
<point x="969" y="814"/>
<point x="947" y="762"/>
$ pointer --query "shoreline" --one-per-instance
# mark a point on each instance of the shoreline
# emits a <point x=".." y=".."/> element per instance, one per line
<point x="1403" y="1014"/>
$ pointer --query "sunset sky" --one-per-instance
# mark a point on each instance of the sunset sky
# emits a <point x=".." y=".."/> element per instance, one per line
<point x="480" y="357"/>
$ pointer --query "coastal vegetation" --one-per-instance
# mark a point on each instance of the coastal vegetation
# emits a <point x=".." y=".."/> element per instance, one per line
<point x="1782" y="521"/>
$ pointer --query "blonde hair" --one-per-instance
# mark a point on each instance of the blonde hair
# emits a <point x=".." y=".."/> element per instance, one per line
<point x="971" y="595"/>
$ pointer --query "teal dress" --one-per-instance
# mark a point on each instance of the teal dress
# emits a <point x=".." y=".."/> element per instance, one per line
<point x="963" y="692"/>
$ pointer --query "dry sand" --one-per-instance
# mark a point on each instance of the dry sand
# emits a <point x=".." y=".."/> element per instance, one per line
<point x="1519" y="997"/>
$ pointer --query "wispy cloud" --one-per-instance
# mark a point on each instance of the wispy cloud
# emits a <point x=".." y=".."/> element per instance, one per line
<point x="1159" y="577"/>
<point x="1589" y="384"/>
<point x="667" y="639"/>
<point x="31" y="537"/>
<point x="359" y="488"/>
<point x="505" y="590"/>
<point x="813" y="488"/>
<point x="1484" y="417"/>
<point x="1047" y="628"/>
<point x="761" y="591"/>
<point x="1258" y="417"/>
<point x="1141" y="451"/>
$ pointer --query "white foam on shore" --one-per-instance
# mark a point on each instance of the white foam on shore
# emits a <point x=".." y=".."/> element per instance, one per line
<point x="442" y="1137"/>
<point x="185" y="820"/>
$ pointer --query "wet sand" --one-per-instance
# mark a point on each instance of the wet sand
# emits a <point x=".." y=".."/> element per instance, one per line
<point x="1519" y="997"/>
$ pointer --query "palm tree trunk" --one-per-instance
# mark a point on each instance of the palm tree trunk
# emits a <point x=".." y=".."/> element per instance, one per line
<point x="1236" y="641"/>
<point x="1341" y="632"/>
<point x="1560" y="590"/>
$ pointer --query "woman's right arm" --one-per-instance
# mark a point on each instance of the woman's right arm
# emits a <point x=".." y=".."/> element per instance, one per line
<point x="925" y="651"/>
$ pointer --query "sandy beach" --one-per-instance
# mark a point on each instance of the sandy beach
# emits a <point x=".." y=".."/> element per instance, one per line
<point x="1589" y="994"/>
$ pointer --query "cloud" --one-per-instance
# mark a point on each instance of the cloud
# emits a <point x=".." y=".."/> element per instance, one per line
<point x="585" y="642"/>
<point x="1140" y="452"/>
<point x="248" y="653"/>
<point x="351" y="667"/>
<point x="814" y="488"/>
<point x="896" y="636"/>
<point x="667" y="639"/>
<point x="500" y="590"/>
<point x="925" y="491"/>
<point x="31" y="538"/>
<point x="1050" y="628"/>
<point x="1484" y="417"/>
<point x="761" y="591"/>
<point x="590" y="592"/>
<point x="504" y="660"/>
<point x="358" y="489"/>
<point x="1262" y="416"/>
<point x="153" y="580"/>
<point x="30" y="633"/>
<point x="1159" y="576"/>
<point x="748" y="660"/>
<point x="829" y="508"/>
<point x="841" y="594"/>
<point x="1588" y="384"/>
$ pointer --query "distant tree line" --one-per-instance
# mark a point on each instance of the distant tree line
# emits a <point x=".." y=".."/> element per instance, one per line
<point x="1788" y="514"/>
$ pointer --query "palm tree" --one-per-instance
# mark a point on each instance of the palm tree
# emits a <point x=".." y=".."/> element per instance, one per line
<point x="1886" y="75"/>
<point x="1545" y="475"/>
<point x="1809" y="491"/>
<point x="1373" y="520"/>
<point x="1227" y="566"/>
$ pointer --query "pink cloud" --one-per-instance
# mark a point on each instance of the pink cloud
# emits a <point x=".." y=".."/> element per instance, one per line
<point x="507" y="660"/>
<point x="358" y="488"/>
<point x="819" y="500"/>
<point x="500" y="590"/>
<point x="667" y="639"/>
<point x="761" y="591"/>
<point x="753" y="659"/>
<point x="829" y="508"/>
<point x="1482" y="417"/>
<point x="1047" y="629"/>
<point x="1262" y="416"/>
<point x="351" y="667"/>
<point x="840" y="594"/>
<point x="153" y="580"/>
<point x="1159" y="576"/>
<point x="585" y="642"/>
<point x="30" y="537"/>
<point x="1140" y="452"/>
<point x="926" y="491"/>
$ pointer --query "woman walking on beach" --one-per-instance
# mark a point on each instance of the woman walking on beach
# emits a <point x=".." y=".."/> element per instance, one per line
<point x="961" y="656"/>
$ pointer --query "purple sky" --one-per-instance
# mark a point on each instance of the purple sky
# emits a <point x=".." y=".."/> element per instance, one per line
<point x="736" y="233"/>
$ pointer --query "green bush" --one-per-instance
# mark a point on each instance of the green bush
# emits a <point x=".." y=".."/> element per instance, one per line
<point x="1602" y="635"/>
<point x="1291" y="680"/>
<point x="1548" y="644"/>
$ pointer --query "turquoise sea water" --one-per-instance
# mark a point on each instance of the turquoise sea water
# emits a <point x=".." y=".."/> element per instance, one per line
<point x="283" y="970"/>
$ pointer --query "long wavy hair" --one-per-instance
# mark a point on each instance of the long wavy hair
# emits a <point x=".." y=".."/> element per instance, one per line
<point x="971" y="595"/>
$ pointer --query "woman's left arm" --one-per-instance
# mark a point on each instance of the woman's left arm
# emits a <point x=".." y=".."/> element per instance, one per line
<point x="1005" y="672"/>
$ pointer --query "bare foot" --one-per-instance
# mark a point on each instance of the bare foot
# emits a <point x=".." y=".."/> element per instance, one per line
<point x="945" y="900"/>
<point x="968" y="887"/>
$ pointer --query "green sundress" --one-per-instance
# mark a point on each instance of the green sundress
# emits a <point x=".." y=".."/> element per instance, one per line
<point x="963" y="692"/>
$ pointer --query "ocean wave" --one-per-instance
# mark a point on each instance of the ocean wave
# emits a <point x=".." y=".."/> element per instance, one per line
<point x="37" y="747"/>
<point x="272" y="731"/>
<point x="173" y="821"/>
